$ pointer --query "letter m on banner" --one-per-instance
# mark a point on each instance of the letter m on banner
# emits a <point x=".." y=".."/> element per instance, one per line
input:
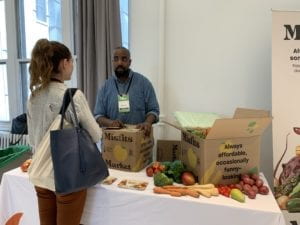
<point x="292" y="33"/>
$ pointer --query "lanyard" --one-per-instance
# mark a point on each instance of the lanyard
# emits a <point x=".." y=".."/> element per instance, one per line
<point x="127" y="87"/>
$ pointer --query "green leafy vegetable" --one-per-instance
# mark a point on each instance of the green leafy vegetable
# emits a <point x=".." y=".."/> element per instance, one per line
<point x="160" y="179"/>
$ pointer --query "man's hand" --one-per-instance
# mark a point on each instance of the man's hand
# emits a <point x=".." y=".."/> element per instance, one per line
<point x="116" y="123"/>
<point x="105" y="122"/>
<point x="146" y="127"/>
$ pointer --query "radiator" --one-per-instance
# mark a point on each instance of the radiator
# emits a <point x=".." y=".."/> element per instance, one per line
<point x="6" y="139"/>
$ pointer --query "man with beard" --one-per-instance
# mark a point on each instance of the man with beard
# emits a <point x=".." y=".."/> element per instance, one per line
<point x="127" y="97"/>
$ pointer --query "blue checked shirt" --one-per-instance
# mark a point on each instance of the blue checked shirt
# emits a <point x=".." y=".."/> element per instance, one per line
<point x="142" y="99"/>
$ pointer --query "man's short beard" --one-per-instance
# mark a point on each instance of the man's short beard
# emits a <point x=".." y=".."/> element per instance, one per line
<point x="122" y="74"/>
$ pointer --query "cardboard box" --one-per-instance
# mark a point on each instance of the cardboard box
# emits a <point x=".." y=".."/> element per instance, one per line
<point x="127" y="149"/>
<point x="232" y="147"/>
<point x="168" y="150"/>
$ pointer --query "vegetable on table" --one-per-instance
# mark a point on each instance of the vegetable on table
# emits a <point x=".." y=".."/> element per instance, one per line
<point x="295" y="192"/>
<point x="160" y="190"/>
<point x="282" y="201"/>
<point x="160" y="179"/>
<point x="183" y="191"/>
<point x="202" y="186"/>
<point x="293" y="205"/>
<point x="237" y="195"/>
<point x="193" y="190"/>
<point x="174" y="170"/>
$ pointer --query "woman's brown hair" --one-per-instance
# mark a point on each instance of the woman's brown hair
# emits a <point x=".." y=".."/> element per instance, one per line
<point x="45" y="58"/>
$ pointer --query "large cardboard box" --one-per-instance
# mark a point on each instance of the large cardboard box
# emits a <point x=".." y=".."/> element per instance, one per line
<point x="127" y="149"/>
<point x="232" y="147"/>
<point x="168" y="150"/>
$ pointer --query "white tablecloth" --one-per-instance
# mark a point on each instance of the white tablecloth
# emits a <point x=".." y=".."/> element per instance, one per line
<point x="110" y="205"/>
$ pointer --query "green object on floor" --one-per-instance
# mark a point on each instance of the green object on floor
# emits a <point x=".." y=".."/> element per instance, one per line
<point x="12" y="157"/>
<point x="11" y="153"/>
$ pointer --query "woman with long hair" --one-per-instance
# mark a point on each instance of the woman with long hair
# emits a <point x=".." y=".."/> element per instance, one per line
<point x="51" y="64"/>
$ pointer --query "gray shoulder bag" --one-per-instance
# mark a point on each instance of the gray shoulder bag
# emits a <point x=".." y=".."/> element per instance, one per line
<point x="77" y="162"/>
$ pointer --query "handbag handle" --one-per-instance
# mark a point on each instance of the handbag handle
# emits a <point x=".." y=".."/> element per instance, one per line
<point x="82" y="164"/>
<point x="66" y="100"/>
<point x="73" y="107"/>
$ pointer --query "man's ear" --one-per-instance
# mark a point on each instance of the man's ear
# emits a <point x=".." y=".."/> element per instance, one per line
<point x="129" y="62"/>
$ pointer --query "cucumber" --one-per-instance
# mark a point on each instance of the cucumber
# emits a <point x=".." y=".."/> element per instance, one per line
<point x="293" y="205"/>
<point x="296" y="191"/>
<point x="295" y="195"/>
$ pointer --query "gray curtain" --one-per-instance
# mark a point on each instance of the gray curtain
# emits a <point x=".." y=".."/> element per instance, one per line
<point x="98" y="32"/>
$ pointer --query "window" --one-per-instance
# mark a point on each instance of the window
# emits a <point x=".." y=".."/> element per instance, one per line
<point x="55" y="20"/>
<point x="4" y="112"/>
<point x="30" y="20"/>
<point x="22" y="23"/>
<point x="41" y="10"/>
<point x="31" y="30"/>
<point x="124" y="22"/>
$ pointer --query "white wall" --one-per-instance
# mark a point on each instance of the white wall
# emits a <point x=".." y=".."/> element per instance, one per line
<point x="207" y="56"/>
<point x="146" y="43"/>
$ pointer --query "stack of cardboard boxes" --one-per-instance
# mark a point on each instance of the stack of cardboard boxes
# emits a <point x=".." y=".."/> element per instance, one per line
<point x="231" y="147"/>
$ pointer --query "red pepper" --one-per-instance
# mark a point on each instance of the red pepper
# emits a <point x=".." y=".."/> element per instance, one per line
<point x="224" y="190"/>
<point x="231" y="186"/>
<point x="227" y="194"/>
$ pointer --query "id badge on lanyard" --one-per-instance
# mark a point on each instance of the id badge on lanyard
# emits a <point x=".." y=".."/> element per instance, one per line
<point x="123" y="100"/>
<point x="123" y="103"/>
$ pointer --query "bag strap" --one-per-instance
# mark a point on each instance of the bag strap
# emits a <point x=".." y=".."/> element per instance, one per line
<point x="73" y="106"/>
<point x="67" y="99"/>
<point x="82" y="163"/>
<point x="69" y="93"/>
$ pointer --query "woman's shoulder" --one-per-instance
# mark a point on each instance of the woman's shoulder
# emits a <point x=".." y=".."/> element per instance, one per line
<point x="79" y="96"/>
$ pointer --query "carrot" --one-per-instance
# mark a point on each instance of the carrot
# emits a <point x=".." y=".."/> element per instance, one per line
<point x="182" y="190"/>
<point x="172" y="187"/>
<point x="160" y="190"/>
